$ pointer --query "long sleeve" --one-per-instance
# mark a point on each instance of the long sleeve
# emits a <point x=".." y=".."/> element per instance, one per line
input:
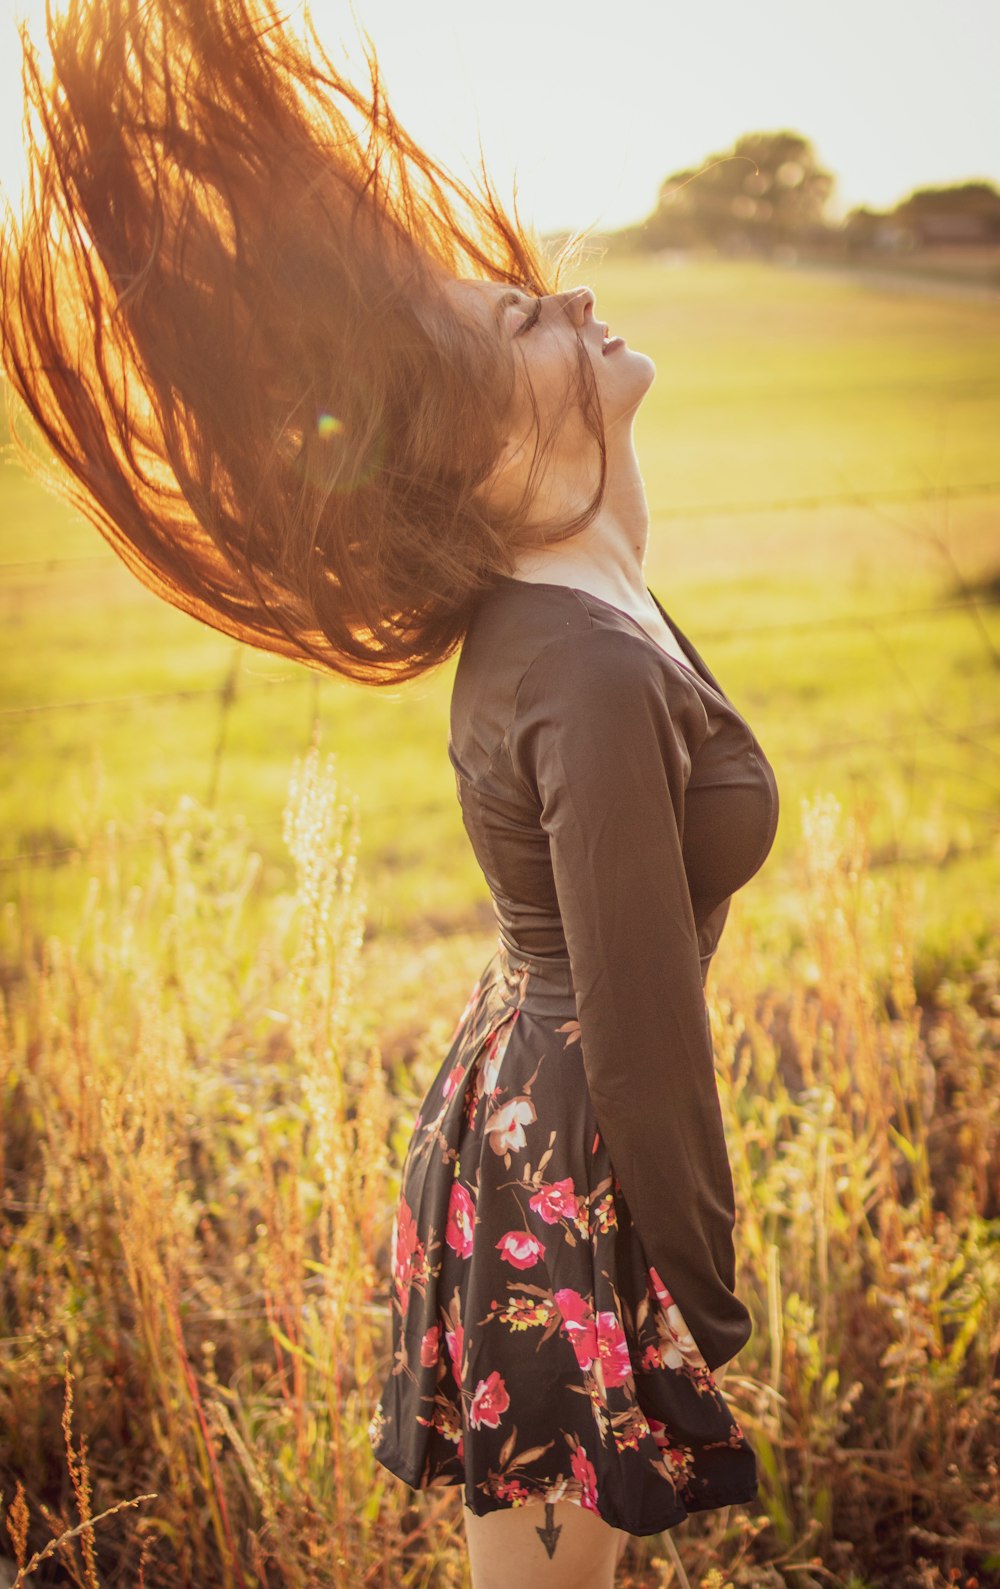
<point x="602" y="737"/>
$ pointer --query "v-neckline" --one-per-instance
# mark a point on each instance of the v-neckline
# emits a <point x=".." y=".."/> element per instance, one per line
<point x="698" y="669"/>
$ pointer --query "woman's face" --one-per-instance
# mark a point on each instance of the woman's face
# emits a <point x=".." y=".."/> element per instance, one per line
<point x="545" y="337"/>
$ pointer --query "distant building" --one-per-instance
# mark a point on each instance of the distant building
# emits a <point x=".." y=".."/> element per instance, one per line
<point x="952" y="227"/>
<point x="959" y="217"/>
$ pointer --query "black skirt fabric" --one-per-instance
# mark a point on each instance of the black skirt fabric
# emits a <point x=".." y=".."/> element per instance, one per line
<point x="537" y="1354"/>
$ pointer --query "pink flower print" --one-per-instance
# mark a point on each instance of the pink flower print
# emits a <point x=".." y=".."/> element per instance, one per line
<point x="520" y="1249"/>
<point x="612" y="1348"/>
<point x="578" y="1323"/>
<point x="455" y="1341"/>
<point x="662" y="1294"/>
<point x="489" y="1403"/>
<point x="506" y="1124"/>
<point x="461" y="1215"/>
<point x="676" y="1459"/>
<point x="677" y="1345"/>
<point x="554" y="1201"/>
<point x="452" y="1080"/>
<point x="430" y="1346"/>
<point x="583" y="1472"/>
<point x="496" y="1047"/>
<point x="510" y="1490"/>
<point x="408" y="1252"/>
<point x="572" y="1305"/>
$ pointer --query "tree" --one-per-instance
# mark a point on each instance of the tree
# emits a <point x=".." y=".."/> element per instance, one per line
<point x="964" y="212"/>
<point x="768" y="191"/>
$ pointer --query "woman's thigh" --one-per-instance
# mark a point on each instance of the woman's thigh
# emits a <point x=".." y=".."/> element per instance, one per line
<point x="505" y="1547"/>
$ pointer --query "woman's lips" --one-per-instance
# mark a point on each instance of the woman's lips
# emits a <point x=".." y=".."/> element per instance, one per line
<point x="611" y="344"/>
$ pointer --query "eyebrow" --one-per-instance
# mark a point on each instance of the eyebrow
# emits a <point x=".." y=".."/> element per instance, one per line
<point x="505" y="300"/>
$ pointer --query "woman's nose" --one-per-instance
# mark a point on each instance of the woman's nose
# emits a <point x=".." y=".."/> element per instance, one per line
<point x="578" y="303"/>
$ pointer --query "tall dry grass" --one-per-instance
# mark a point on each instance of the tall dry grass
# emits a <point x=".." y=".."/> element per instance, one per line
<point x="199" y="1177"/>
<point x="865" y="1139"/>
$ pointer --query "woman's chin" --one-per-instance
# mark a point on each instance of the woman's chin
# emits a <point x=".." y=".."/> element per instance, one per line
<point x="643" y="368"/>
<point x="624" y="389"/>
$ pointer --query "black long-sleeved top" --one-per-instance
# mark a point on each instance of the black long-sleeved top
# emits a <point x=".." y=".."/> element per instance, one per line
<point x="615" y="800"/>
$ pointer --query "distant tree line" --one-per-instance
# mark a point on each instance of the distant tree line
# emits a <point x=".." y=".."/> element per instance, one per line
<point x="768" y="196"/>
<point x="968" y="213"/>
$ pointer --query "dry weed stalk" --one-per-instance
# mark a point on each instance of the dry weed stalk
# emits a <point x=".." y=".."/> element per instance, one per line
<point x="200" y="1155"/>
<point x="870" y="1388"/>
<point x="18" y="1516"/>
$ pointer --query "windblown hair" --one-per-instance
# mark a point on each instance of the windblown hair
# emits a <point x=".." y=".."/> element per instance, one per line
<point x="224" y="306"/>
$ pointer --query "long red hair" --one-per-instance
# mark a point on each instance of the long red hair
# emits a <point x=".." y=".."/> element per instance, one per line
<point x="224" y="307"/>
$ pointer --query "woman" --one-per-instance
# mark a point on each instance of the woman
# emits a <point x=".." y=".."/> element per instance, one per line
<point x="330" y="402"/>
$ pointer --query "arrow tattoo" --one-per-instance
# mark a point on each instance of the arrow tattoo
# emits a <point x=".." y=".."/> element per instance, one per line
<point x="549" y="1534"/>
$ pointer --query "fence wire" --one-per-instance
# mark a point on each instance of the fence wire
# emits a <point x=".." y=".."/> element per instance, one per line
<point x="225" y="693"/>
<point x="843" y="624"/>
<point x="694" y="510"/>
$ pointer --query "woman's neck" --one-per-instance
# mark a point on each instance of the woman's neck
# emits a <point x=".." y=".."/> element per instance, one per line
<point x="607" y="557"/>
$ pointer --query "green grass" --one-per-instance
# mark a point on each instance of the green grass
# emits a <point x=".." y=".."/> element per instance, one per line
<point x="877" y="414"/>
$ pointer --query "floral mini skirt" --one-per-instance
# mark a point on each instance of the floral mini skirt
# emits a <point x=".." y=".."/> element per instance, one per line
<point x="536" y="1354"/>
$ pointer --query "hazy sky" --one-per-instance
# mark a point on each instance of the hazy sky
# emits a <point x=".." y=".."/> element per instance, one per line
<point x="591" y="104"/>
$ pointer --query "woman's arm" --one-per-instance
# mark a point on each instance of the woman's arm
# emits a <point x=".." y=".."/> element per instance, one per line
<point x="603" y="738"/>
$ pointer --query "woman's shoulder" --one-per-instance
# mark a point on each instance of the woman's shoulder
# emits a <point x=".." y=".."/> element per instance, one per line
<point x="547" y="664"/>
<point x="557" y="638"/>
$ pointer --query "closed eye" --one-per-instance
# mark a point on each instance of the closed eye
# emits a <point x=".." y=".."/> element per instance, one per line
<point x="531" y="320"/>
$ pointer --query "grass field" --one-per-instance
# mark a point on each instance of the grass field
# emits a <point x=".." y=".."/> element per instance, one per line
<point x="214" y="1046"/>
<point x="823" y="475"/>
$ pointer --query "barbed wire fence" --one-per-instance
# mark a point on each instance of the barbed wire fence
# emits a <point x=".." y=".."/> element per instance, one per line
<point x="849" y="497"/>
<point x="965" y="598"/>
